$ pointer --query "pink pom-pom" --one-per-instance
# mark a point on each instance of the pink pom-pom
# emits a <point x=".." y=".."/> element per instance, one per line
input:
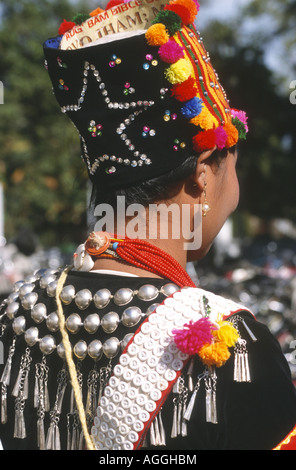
<point x="221" y="138"/>
<point x="242" y="116"/>
<point x="194" y="336"/>
<point x="171" y="52"/>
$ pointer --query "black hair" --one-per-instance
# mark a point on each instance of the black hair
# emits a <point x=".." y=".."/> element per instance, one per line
<point x="158" y="189"/>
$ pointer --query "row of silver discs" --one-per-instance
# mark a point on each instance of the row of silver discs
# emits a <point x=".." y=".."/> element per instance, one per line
<point x="24" y="294"/>
<point x="123" y="296"/>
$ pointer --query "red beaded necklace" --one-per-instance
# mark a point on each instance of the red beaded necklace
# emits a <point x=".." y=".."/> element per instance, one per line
<point x="139" y="253"/>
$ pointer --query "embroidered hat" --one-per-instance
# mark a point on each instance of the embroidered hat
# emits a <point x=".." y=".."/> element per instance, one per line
<point x="138" y="84"/>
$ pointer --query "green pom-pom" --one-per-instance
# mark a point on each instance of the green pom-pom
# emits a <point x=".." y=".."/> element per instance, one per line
<point x="240" y="127"/>
<point x="80" y="18"/>
<point x="170" y="19"/>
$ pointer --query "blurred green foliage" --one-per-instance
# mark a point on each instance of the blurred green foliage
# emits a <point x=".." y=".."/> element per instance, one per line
<point x="44" y="179"/>
<point x="41" y="169"/>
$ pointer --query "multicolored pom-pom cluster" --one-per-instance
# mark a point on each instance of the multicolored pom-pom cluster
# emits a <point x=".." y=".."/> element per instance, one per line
<point x="210" y="341"/>
<point x="193" y="80"/>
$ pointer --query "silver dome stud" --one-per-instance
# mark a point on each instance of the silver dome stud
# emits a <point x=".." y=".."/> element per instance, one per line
<point x="61" y="351"/>
<point x="95" y="349"/>
<point x="147" y="292"/>
<point x="131" y="316"/>
<point x="110" y="322"/>
<point x="46" y="279"/>
<point x="73" y="323"/>
<point x="169" y="289"/>
<point x="111" y="347"/>
<point x="11" y="310"/>
<point x="123" y="296"/>
<point x="52" y="322"/>
<point x="92" y="323"/>
<point x="29" y="300"/>
<point x="67" y="294"/>
<point x="102" y="298"/>
<point x="25" y="289"/>
<point x="47" y="344"/>
<point x="19" y="325"/>
<point x="83" y="299"/>
<point x="38" y="313"/>
<point x="80" y="350"/>
<point x="31" y="336"/>
<point x="51" y="288"/>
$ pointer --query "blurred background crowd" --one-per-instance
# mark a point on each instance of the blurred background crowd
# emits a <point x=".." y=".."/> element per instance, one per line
<point x="43" y="184"/>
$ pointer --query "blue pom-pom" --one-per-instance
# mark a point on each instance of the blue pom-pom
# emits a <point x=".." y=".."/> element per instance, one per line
<point x="192" y="108"/>
<point x="114" y="246"/>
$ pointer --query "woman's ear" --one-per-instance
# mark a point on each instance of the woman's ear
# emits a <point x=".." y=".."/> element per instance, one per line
<point x="198" y="178"/>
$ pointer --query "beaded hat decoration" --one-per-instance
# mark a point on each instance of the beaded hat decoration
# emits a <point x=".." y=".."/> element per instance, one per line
<point x="143" y="102"/>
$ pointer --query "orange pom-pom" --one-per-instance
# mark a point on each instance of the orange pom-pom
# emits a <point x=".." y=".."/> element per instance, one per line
<point x="96" y="12"/>
<point x="190" y="6"/>
<point x="216" y="354"/>
<point x="232" y="135"/>
<point x="157" y="35"/>
<point x="205" y="140"/>
<point x="205" y="120"/>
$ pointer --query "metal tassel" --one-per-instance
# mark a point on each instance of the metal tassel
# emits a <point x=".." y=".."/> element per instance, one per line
<point x="174" y="432"/>
<point x="241" y="363"/>
<point x="53" y="435"/>
<point x="157" y="431"/>
<point x="40" y="434"/>
<point x="152" y="435"/>
<point x="19" y="420"/>
<point x="49" y="443"/>
<point x="69" y="438"/>
<point x="176" y="413"/>
<point x="3" y="404"/>
<point x="21" y="394"/>
<point x="189" y="373"/>
<point x="91" y="401"/>
<point x="41" y="400"/>
<point x="161" y="430"/>
<point x="211" y="406"/>
<point x="190" y="406"/>
<point x="5" y="378"/>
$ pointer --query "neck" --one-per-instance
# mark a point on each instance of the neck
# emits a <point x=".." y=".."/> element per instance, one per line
<point x="173" y="247"/>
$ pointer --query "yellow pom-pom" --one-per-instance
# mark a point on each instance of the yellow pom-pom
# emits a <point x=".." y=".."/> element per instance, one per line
<point x="227" y="334"/>
<point x="216" y="354"/>
<point x="178" y="72"/>
<point x="157" y="35"/>
<point x="205" y="120"/>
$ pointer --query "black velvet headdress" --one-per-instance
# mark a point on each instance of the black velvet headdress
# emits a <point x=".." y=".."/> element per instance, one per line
<point x="143" y="104"/>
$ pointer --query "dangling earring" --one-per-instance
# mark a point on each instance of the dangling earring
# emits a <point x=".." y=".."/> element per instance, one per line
<point x="205" y="207"/>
